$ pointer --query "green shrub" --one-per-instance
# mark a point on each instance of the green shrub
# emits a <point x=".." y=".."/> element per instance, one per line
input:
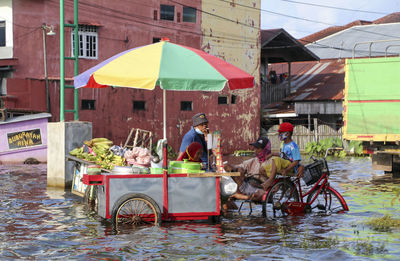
<point x="319" y="148"/>
<point x="355" y="147"/>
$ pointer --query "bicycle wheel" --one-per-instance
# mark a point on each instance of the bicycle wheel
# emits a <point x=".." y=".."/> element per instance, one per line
<point x="133" y="210"/>
<point x="280" y="193"/>
<point x="328" y="200"/>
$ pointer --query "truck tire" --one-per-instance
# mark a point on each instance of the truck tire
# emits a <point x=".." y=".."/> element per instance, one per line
<point x="396" y="170"/>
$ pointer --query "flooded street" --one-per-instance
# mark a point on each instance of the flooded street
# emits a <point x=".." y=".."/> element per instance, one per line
<point x="46" y="224"/>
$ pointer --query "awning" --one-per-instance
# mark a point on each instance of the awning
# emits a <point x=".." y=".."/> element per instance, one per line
<point x="279" y="46"/>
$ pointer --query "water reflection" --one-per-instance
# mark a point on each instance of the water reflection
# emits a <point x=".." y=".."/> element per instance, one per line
<point x="40" y="223"/>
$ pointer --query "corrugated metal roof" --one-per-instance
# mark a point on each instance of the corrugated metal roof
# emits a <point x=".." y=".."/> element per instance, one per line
<point x="390" y="18"/>
<point x="329" y="31"/>
<point x="341" y="44"/>
<point x="315" y="81"/>
<point x="27" y="117"/>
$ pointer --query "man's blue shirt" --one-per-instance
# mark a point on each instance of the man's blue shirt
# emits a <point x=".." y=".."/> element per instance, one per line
<point x="192" y="136"/>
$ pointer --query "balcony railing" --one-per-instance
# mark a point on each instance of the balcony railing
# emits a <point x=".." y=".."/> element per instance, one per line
<point x="271" y="93"/>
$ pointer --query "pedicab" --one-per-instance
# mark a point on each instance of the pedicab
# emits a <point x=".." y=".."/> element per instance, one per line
<point x="152" y="198"/>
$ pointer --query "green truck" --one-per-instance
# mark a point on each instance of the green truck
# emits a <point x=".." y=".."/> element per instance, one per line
<point x="371" y="109"/>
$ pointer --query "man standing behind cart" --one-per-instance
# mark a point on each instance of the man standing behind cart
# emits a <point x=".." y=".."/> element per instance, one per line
<point x="197" y="134"/>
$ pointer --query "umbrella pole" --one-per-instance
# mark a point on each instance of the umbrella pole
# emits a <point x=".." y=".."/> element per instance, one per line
<point x="165" y="142"/>
<point x="164" y="114"/>
<point x="165" y="158"/>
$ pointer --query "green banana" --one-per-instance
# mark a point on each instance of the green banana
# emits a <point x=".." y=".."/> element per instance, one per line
<point x="101" y="147"/>
<point x="103" y="144"/>
<point x="94" y="140"/>
<point x="76" y="151"/>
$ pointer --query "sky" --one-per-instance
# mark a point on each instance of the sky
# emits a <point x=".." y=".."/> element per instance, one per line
<point x="282" y="13"/>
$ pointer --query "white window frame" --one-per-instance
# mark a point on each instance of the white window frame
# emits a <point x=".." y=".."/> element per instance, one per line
<point x="6" y="11"/>
<point x="85" y="32"/>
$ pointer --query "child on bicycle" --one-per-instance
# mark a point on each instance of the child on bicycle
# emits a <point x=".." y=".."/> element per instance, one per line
<point x="289" y="161"/>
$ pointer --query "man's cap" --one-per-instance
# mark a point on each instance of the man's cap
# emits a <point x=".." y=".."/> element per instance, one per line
<point x="198" y="119"/>
<point x="285" y="126"/>
<point x="261" y="142"/>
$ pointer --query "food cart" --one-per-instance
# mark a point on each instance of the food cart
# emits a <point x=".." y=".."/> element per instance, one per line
<point x="137" y="198"/>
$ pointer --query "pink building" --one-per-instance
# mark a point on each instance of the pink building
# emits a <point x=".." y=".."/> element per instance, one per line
<point x="105" y="30"/>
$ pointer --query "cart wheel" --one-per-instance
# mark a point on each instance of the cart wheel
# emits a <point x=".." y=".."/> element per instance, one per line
<point x="214" y="219"/>
<point x="90" y="197"/>
<point x="134" y="210"/>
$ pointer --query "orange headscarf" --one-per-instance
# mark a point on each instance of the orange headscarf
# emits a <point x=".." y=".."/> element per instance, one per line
<point x="191" y="150"/>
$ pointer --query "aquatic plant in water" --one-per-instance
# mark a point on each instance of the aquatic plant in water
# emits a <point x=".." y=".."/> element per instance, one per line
<point x="359" y="246"/>
<point x="383" y="224"/>
<point x="366" y="247"/>
<point x="307" y="241"/>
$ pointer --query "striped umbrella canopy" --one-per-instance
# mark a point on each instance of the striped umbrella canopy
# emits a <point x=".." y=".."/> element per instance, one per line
<point x="168" y="65"/>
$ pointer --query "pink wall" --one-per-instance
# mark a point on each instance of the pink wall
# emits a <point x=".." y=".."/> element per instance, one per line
<point x="114" y="115"/>
<point x="123" y="27"/>
<point x="30" y="94"/>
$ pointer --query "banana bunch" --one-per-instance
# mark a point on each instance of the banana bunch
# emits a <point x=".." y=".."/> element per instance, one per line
<point x="109" y="160"/>
<point x="99" y="145"/>
<point x="81" y="154"/>
<point x="118" y="161"/>
<point x="98" y="142"/>
<point x="103" y="156"/>
<point x="76" y="152"/>
<point x="88" y="157"/>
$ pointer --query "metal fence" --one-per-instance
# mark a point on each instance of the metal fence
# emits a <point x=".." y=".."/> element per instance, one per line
<point x="302" y="135"/>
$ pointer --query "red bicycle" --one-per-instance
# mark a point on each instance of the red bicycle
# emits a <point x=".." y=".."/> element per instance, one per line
<point x="286" y="197"/>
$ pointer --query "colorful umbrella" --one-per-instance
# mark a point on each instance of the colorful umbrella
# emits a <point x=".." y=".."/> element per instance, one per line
<point x="171" y="66"/>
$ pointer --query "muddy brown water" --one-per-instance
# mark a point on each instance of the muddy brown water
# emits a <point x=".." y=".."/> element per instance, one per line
<point x="38" y="223"/>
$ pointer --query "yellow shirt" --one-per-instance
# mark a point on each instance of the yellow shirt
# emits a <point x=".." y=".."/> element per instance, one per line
<point x="280" y="165"/>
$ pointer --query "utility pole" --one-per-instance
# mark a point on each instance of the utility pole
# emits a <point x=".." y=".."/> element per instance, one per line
<point x="47" y="30"/>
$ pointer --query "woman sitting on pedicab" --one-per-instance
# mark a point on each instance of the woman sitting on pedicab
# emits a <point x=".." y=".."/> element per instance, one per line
<point x="192" y="153"/>
<point x="249" y="182"/>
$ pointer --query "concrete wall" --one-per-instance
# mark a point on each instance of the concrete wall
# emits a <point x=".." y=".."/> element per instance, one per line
<point x="232" y="32"/>
<point x="62" y="138"/>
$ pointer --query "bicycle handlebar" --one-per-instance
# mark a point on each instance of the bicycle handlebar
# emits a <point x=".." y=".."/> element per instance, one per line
<point x="326" y="152"/>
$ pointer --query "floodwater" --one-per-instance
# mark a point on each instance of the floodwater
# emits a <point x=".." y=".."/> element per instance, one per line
<point x="42" y="224"/>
